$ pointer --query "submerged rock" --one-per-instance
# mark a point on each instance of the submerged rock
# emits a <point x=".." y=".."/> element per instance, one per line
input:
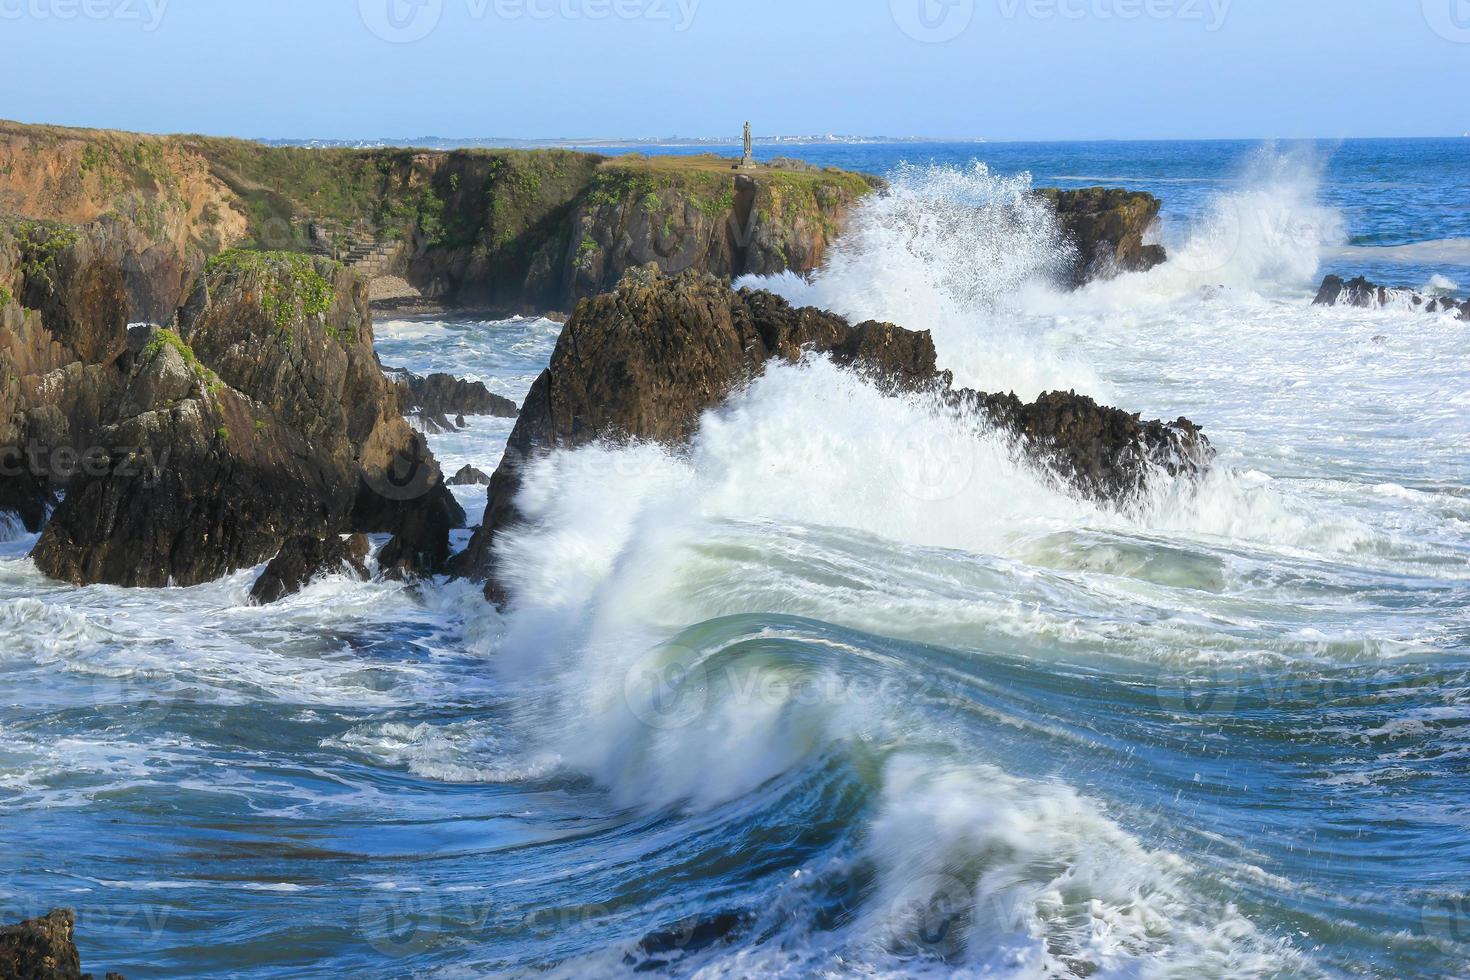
<point x="43" y="949"/>
<point x="1108" y="227"/>
<point x="646" y="360"/>
<point x="1361" y="293"/>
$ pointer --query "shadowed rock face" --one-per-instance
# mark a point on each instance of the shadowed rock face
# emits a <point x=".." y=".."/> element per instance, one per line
<point x="263" y="419"/>
<point x="1361" y="293"/>
<point x="306" y="557"/>
<point x="43" y="949"/>
<point x="646" y="360"/>
<point x="1108" y="227"/>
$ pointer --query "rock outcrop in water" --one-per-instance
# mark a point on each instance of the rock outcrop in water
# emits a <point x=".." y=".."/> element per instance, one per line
<point x="1361" y="293"/>
<point x="440" y="397"/>
<point x="263" y="418"/>
<point x="645" y="361"/>
<point x="1108" y="227"/>
<point x="307" y="557"/>
<point x="43" y="949"/>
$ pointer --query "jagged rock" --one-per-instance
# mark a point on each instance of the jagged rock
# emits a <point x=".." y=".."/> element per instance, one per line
<point x="1360" y="292"/>
<point x="1103" y="453"/>
<point x="304" y="559"/>
<point x="420" y="544"/>
<point x="265" y="418"/>
<point x="441" y="395"/>
<point x="1108" y="227"/>
<point x="646" y="360"/>
<point x="207" y="486"/>
<point x="469" y="477"/>
<point x="43" y="949"/>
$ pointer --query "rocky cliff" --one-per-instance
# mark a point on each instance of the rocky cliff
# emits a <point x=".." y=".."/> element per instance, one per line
<point x="645" y="360"/>
<point x="517" y="231"/>
<point x="502" y="230"/>
<point x="261" y="419"/>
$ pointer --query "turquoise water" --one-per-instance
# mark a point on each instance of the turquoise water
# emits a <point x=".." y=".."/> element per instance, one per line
<point x="842" y="689"/>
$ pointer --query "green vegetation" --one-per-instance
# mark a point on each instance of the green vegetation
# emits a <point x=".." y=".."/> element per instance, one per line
<point x="5" y="297"/>
<point x="291" y="288"/>
<point x="40" y="243"/>
<point x="166" y="338"/>
<point x="223" y="433"/>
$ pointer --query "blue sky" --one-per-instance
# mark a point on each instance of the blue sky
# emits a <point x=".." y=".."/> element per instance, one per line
<point x="1001" y="69"/>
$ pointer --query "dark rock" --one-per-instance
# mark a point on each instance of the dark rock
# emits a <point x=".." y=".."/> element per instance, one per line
<point x="1361" y="293"/>
<point x="1105" y="454"/>
<point x="646" y="360"/>
<point x="1108" y="227"/>
<point x="265" y="418"/>
<point x="43" y="949"/>
<point x="420" y="544"/>
<point x="442" y="395"/>
<point x="469" y="477"/>
<point x="304" y="559"/>
<point x="203" y="488"/>
<point x="63" y="321"/>
<point x="659" y="949"/>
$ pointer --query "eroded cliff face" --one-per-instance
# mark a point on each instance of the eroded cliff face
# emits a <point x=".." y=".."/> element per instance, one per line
<point x="262" y="419"/>
<point x="499" y="230"/>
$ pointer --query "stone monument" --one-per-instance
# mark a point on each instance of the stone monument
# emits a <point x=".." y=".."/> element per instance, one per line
<point x="748" y="161"/>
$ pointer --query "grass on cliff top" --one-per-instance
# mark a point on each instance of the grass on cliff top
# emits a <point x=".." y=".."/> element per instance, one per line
<point x="291" y="287"/>
<point x="709" y="165"/>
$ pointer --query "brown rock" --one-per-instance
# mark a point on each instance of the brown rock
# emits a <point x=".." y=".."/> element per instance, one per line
<point x="43" y="949"/>
<point x="1107" y="226"/>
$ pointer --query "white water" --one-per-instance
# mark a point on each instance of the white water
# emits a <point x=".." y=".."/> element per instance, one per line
<point x="810" y="470"/>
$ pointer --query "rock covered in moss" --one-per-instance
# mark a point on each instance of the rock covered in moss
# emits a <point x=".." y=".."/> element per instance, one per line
<point x="263" y="419"/>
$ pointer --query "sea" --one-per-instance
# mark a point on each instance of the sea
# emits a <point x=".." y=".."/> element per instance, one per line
<point x="844" y="688"/>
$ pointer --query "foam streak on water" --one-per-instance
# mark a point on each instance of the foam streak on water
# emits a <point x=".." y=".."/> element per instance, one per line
<point x="841" y="688"/>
